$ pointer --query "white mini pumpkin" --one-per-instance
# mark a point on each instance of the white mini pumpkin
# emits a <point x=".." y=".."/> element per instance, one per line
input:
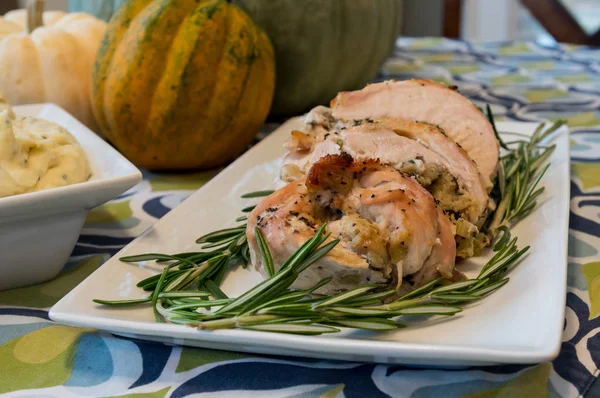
<point x="49" y="58"/>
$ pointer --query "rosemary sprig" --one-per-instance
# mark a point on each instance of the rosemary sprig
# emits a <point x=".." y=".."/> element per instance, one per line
<point x="519" y="173"/>
<point x="273" y="306"/>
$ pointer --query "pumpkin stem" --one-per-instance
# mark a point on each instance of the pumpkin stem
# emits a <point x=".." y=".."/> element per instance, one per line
<point x="35" y="14"/>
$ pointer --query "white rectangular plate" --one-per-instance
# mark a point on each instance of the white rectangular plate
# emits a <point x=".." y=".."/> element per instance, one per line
<point x="520" y="323"/>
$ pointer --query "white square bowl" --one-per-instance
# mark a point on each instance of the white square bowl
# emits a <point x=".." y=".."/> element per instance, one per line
<point x="38" y="230"/>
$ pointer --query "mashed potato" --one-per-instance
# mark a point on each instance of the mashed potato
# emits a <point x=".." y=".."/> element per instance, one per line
<point x="37" y="154"/>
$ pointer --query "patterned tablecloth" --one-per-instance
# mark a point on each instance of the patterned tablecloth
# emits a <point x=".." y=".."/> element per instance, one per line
<point x="522" y="81"/>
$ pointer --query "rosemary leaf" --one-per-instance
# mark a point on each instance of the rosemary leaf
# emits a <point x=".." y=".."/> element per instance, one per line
<point x="218" y="236"/>
<point x="218" y="276"/>
<point x="303" y="251"/>
<point x="430" y="310"/>
<point x="183" y="293"/>
<point x="292" y="328"/>
<point x="147" y="257"/>
<point x="187" y="255"/>
<point x="347" y="295"/>
<point x="285" y="299"/>
<point x="377" y="297"/>
<point x="505" y="262"/>
<point x="264" y="252"/>
<point x="366" y="323"/>
<point x="422" y="290"/>
<point x="490" y="288"/>
<point x="490" y="117"/>
<point x="119" y="303"/>
<point x="454" y="286"/>
<point x="357" y="311"/>
<point x="157" y="292"/>
<point x="452" y="298"/>
<point x="317" y="255"/>
<point x="214" y="290"/>
<point x="257" y="194"/>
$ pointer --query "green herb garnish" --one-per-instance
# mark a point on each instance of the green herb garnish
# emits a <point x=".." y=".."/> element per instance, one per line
<point x="519" y="173"/>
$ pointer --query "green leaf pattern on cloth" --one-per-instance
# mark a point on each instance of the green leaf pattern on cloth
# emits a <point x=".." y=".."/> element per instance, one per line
<point x="192" y="357"/>
<point x="109" y="213"/>
<point x="531" y="384"/>
<point x="591" y="272"/>
<point x="157" y="394"/>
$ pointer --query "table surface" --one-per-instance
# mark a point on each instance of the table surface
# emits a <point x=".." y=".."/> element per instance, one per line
<point x="522" y="81"/>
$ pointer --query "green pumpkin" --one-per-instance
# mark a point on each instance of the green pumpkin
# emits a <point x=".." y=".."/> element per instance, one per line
<point x="324" y="46"/>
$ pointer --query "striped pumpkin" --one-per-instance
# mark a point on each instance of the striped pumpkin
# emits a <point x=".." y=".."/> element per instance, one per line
<point x="182" y="84"/>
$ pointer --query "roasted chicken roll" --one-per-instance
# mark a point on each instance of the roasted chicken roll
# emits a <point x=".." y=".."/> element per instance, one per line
<point x="388" y="225"/>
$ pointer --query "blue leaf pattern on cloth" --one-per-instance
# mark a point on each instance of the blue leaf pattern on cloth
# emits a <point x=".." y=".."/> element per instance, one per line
<point x="154" y="358"/>
<point x="93" y="362"/>
<point x="567" y="364"/>
<point x="156" y="208"/>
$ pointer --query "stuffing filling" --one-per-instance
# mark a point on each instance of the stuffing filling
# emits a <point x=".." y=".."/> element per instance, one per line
<point x="453" y="201"/>
<point x="364" y="238"/>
